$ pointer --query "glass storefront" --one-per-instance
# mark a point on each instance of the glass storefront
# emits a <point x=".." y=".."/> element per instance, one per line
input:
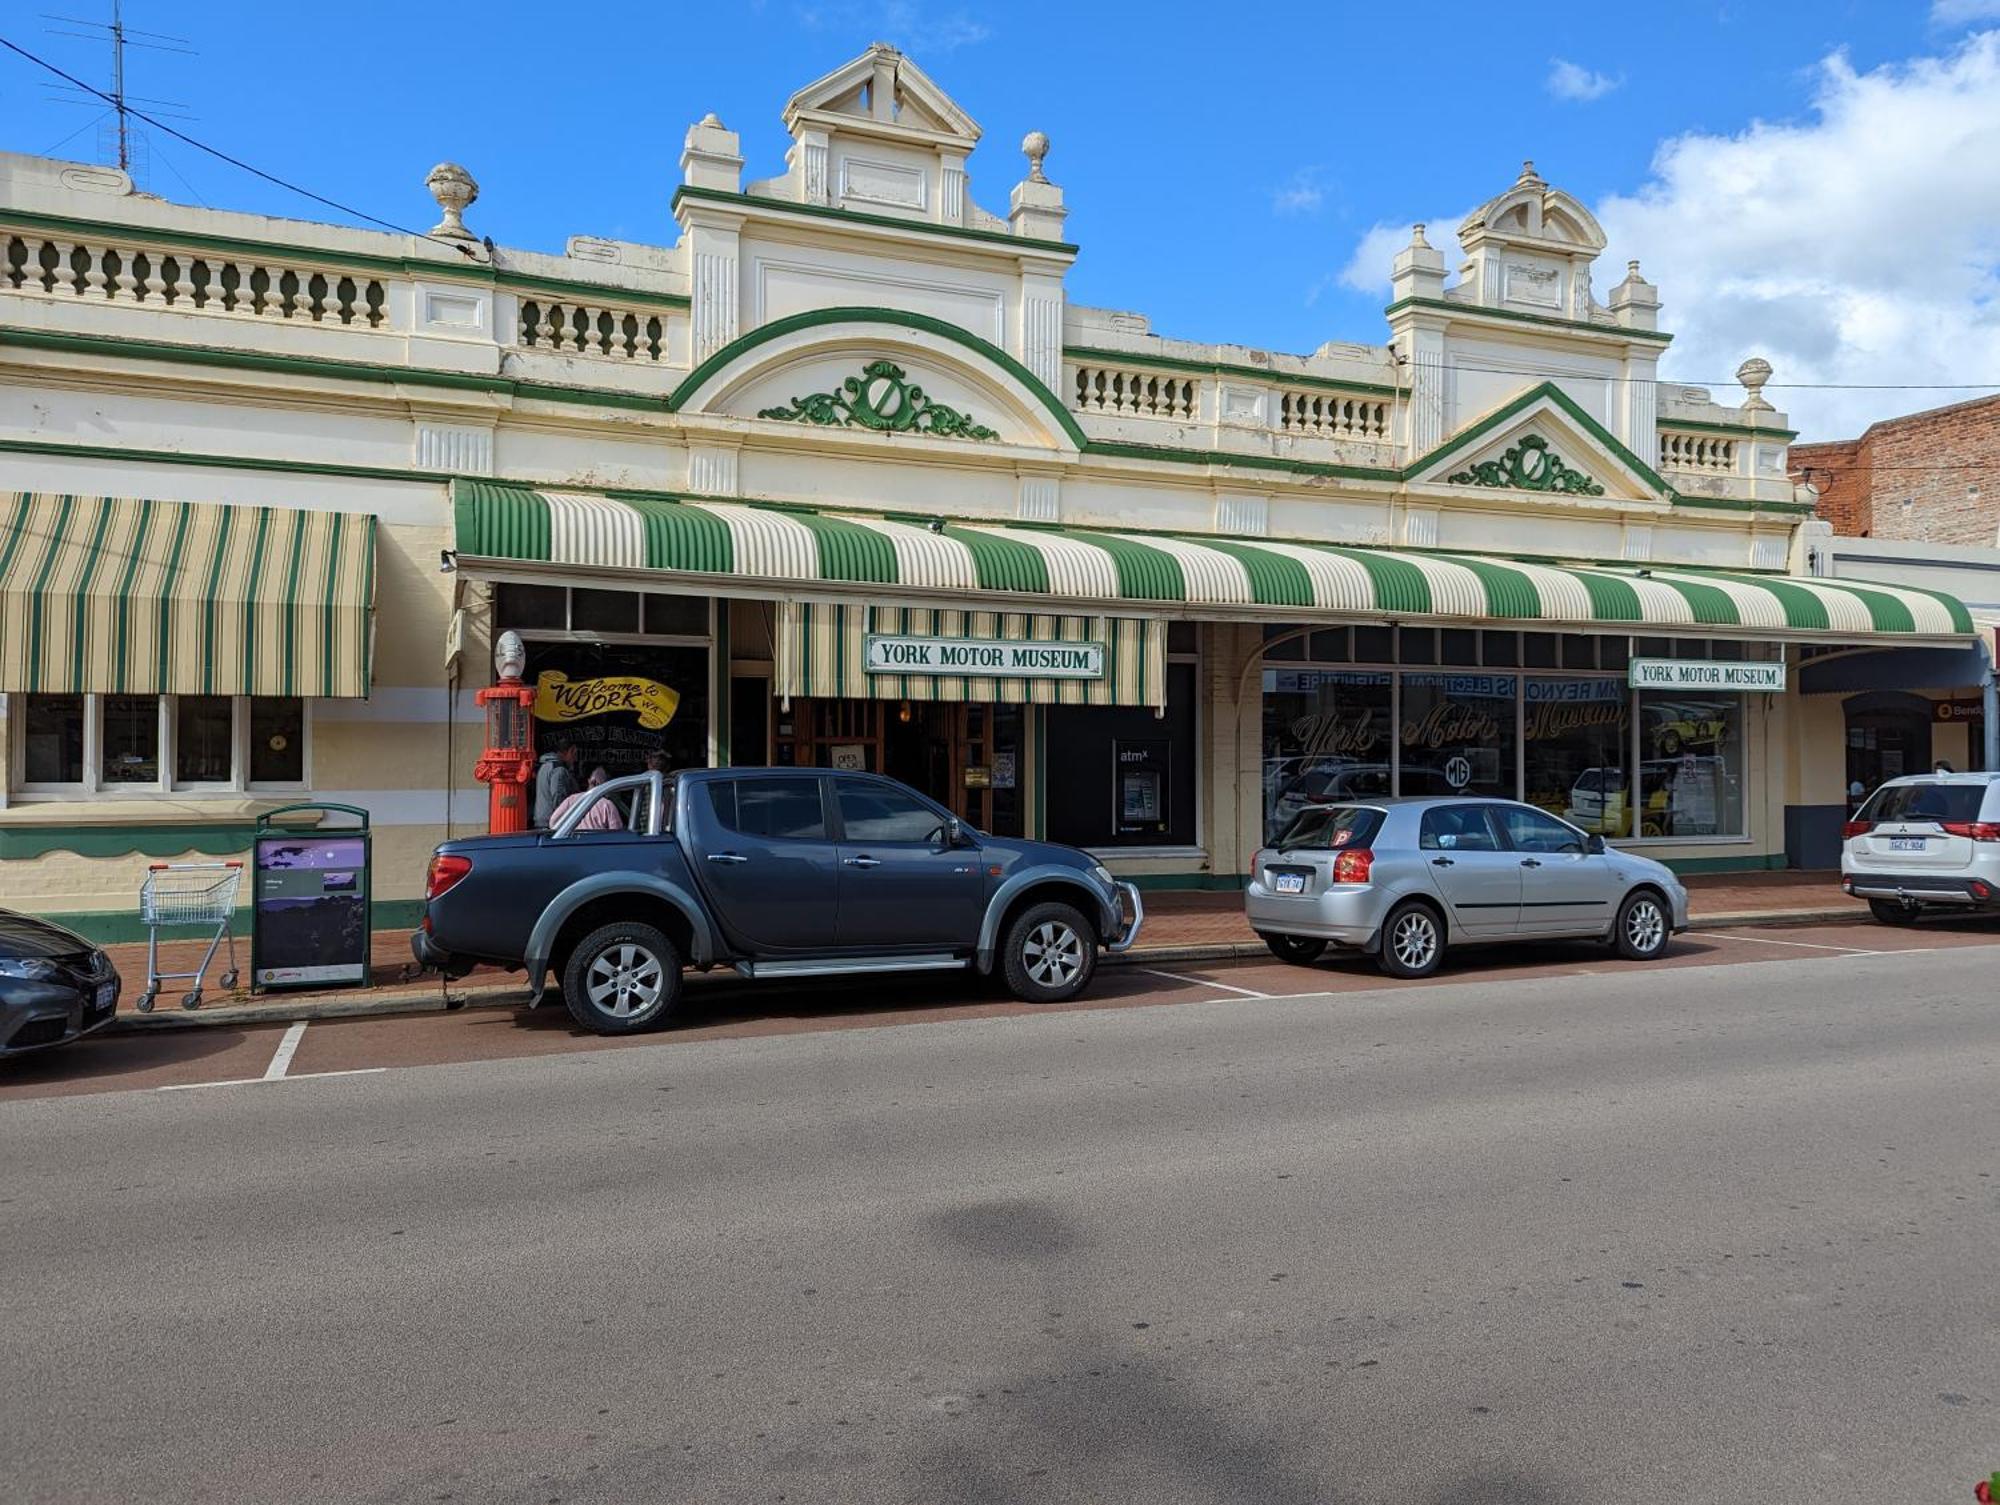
<point x="1567" y="735"/>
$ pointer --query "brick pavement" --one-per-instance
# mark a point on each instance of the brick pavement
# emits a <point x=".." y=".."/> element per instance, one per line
<point x="1173" y="921"/>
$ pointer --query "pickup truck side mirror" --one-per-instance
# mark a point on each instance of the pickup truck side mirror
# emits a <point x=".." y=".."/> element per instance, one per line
<point x="1594" y="846"/>
<point x="954" y="832"/>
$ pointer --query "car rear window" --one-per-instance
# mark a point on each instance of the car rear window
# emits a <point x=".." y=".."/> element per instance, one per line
<point x="1330" y="829"/>
<point x="1940" y="802"/>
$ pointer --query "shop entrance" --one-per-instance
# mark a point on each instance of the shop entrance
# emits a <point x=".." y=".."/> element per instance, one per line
<point x="1888" y="735"/>
<point x="966" y="755"/>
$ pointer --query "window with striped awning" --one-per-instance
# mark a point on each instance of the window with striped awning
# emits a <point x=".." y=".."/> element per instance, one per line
<point x="118" y="595"/>
<point x="767" y="548"/>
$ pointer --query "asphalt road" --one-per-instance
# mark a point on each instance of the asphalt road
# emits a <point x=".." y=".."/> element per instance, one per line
<point x="1683" y="1234"/>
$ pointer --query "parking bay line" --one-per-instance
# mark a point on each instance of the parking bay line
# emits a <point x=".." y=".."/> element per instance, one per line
<point x="1203" y="982"/>
<point x="281" y="1061"/>
<point x="259" y="1081"/>
<point x="1759" y="940"/>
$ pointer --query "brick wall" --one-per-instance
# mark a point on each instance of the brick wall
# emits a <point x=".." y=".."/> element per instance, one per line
<point x="1931" y="477"/>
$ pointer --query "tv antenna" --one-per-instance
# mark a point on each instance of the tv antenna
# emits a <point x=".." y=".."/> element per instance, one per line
<point x="129" y="144"/>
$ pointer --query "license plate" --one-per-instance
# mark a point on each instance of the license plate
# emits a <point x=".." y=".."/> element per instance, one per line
<point x="107" y="994"/>
<point x="1288" y="883"/>
<point x="1907" y="843"/>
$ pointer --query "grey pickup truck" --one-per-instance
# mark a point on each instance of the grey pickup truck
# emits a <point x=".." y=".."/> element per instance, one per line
<point x="777" y="873"/>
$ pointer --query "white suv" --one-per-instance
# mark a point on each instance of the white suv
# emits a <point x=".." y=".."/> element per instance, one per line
<point x="1931" y="841"/>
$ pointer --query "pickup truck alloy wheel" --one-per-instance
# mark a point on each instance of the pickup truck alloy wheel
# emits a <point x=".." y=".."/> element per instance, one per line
<point x="622" y="978"/>
<point x="1642" y="928"/>
<point x="1412" y="941"/>
<point x="1049" y="954"/>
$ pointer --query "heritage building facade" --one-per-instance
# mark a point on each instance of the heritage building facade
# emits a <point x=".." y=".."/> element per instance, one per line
<point x="843" y="477"/>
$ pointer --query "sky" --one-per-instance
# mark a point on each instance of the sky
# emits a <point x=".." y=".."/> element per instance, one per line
<point x="1818" y="183"/>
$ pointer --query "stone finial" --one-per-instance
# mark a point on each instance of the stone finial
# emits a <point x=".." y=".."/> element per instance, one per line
<point x="1417" y="237"/>
<point x="454" y="189"/>
<point x="714" y="121"/>
<point x="1035" y="145"/>
<point x="1632" y="272"/>
<point x="1753" y="373"/>
<point x="1529" y="177"/>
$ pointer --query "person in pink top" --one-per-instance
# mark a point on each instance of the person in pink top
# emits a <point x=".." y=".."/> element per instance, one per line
<point x="602" y="816"/>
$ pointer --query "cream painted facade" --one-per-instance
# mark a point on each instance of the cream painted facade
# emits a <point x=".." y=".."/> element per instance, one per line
<point x="149" y="349"/>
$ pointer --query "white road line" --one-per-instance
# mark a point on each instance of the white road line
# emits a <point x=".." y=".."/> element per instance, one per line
<point x="259" y="1081"/>
<point x="288" y="1047"/>
<point x="1203" y="982"/>
<point x="1759" y="940"/>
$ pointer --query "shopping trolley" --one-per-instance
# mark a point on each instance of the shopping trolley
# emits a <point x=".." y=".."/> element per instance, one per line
<point x="188" y="894"/>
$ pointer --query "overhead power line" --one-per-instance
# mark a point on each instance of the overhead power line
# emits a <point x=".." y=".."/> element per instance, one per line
<point x="202" y="146"/>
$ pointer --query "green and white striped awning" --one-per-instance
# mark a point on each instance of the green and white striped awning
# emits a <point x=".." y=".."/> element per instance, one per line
<point x="112" y="594"/>
<point x="797" y="552"/>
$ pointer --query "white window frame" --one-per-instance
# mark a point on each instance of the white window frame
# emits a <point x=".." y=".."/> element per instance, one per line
<point x="95" y="786"/>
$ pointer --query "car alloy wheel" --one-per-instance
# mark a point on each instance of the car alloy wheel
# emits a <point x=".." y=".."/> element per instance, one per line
<point x="1414" y="941"/>
<point x="1053" y="953"/>
<point x="625" y="981"/>
<point x="1645" y="926"/>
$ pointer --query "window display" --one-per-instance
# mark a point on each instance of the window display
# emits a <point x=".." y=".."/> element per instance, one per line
<point x="1326" y="736"/>
<point x="1576" y="745"/>
<point x="1691" y="765"/>
<point x="1458" y="734"/>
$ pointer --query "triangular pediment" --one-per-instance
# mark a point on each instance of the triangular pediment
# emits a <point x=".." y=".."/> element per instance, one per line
<point x="886" y="93"/>
<point x="1541" y="444"/>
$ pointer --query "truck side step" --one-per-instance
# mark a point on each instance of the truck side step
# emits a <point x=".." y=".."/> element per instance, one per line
<point x="834" y="966"/>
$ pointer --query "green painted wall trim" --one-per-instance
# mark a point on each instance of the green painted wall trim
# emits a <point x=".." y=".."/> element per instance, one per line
<point x="1182" y="883"/>
<point x="1223" y="368"/>
<point x="218" y="462"/>
<point x="856" y="216"/>
<point x="1762" y="862"/>
<point x="113" y="927"/>
<point x="1574" y="326"/>
<point x="1733" y="504"/>
<point x="814" y="318"/>
<point x="216" y="839"/>
<point x="1122" y="450"/>
<point x="356" y="261"/>
<point x="1575" y="413"/>
<point x="302" y="365"/>
<point x="1678" y="425"/>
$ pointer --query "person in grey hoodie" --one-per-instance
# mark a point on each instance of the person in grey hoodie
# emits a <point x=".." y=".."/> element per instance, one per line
<point x="555" y="779"/>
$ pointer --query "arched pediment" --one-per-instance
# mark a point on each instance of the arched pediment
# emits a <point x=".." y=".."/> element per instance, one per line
<point x="879" y="371"/>
<point x="1531" y="210"/>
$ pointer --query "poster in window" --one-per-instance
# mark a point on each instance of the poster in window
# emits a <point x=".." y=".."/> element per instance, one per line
<point x="1140" y="767"/>
<point x="620" y="702"/>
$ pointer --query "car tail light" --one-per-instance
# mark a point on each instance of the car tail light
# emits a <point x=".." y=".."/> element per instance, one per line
<point x="446" y="869"/>
<point x="1980" y="891"/>
<point x="1978" y="830"/>
<point x="1856" y="828"/>
<point x="1352" y="865"/>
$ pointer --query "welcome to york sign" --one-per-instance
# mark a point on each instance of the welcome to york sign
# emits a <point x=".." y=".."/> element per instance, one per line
<point x="1694" y="674"/>
<point x="983" y="657"/>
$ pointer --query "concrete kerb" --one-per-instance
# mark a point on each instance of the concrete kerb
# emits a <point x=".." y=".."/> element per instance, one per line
<point x="384" y="1003"/>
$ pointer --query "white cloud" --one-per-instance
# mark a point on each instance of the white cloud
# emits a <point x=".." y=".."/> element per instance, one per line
<point x="1302" y="194"/>
<point x="1367" y="270"/>
<point x="1963" y="12"/>
<point x="1857" y="245"/>
<point x="1573" y="81"/>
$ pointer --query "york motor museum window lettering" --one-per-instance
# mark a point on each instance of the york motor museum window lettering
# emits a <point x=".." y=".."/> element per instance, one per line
<point x="154" y="744"/>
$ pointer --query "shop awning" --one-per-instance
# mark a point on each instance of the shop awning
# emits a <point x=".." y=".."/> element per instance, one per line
<point x="788" y="549"/>
<point x="116" y="594"/>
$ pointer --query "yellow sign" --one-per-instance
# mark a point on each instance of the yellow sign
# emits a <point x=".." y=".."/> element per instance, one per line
<point x="560" y="698"/>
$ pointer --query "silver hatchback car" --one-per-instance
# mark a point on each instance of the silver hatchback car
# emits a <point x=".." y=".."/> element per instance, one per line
<point x="1929" y="841"/>
<point x="1403" y="879"/>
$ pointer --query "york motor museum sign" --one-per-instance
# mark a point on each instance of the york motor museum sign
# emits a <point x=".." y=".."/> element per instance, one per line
<point x="1696" y="674"/>
<point x="983" y="657"/>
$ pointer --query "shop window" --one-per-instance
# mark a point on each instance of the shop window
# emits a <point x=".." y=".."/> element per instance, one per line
<point x="1724" y="651"/>
<point x="1458" y="734"/>
<point x="1285" y="645"/>
<point x="1459" y="647"/>
<point x="677" y="616"/>
<point x="1500" y="650"/>
<point x="1538" y="650"/>
<point x="1691" y="765"/>
<point x="1579" y="652"/>
<point x="52" y="739"/>
<point x="1576" y="745"/>
<point x="130" y="739"/>
<point x="1374" y="645"/>
<point x="1653" y="647"/>
<point x="875" y="812"/>
<point x="620" y="703"/>
<point x="1326" y="737"/>
<point x="1417" y="645"/>
<point x="277" y="740"/>
<point x="204" y="739"/>
<point x="780" y="809"/>
<point x="1181" y="637"/>
<point x="603" y="611"/>
<point x="1331" y="646"/>
<point x="526" y="608"/>
<point x="1614" y="653"/>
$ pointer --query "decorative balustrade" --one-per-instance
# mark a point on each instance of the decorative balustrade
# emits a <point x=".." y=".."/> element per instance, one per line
<point x="211" y="282"/>
<point x="592" y="329"/>
<point x="1709" y="454"/>
<point x="1333" y="415"/>
<point x="1140" y="394"/>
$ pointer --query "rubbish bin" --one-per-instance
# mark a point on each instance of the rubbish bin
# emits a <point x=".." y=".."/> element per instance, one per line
<point x="311" y="906"/>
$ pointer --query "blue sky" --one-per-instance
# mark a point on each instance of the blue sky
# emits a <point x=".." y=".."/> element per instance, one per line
<point x="1224" y="165"/>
